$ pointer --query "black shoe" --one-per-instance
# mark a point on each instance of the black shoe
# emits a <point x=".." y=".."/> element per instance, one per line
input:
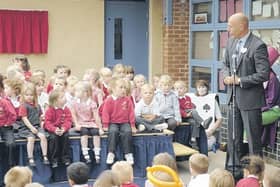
<point x="206" y="123"/>
<point x="46" y="160"/>
<point x="54" y="165"/>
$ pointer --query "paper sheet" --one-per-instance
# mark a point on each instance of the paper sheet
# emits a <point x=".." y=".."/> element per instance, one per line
<point x="257" y="8"/>
<point x="266" y="11"/>
<point x="275" y="6"/>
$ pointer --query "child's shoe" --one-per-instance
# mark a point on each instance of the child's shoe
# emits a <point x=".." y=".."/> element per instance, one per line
<point x="141" y="128"/>
<point x="161" y="126"/>
<point x="97" y="154"/>
<point x="46" y="160"/>
<point x="205" y="124"/>
<point x="110" y="158"/>
<point x="129" y="158"/>
<point x="31" y="162"/>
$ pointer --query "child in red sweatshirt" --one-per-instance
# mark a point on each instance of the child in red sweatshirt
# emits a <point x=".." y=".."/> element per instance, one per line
<point x="58" y="121"/>
<point x="118" y="116"/>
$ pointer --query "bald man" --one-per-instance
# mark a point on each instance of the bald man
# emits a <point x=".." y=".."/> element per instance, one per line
<point x="246" y="55"/>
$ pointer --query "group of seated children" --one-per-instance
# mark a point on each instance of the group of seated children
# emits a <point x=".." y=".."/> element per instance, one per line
<point x="108" y="100"/>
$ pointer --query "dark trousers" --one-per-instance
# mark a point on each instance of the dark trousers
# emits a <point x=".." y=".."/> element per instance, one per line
<point x="251" y="122"/>
<point x="59" y="148"/>
<point x="7" y="135"/>
<point x="150" y="125"/>
<point x="122" y="133"/>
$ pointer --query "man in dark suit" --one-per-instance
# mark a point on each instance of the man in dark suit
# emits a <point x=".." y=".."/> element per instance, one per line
<point x="246" y="55"/>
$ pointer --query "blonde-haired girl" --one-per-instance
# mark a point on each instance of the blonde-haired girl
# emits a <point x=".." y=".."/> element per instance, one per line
<point x="30" y="113"/>
<point x="86" y="119"/>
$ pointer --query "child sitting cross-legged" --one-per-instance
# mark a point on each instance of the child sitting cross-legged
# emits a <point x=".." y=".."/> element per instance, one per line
<point x="199" y="164"/>
<point x="124" y="171"/>
<point x="147" y="112"/>
<point x="118" y="116"/>
<point x="86" y="119"/>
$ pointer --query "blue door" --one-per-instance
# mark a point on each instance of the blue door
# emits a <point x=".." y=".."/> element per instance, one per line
<point x="126" y="39"/>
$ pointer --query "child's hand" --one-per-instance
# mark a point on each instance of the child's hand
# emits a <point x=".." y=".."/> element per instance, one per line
<point x="134" y="130"/>
<point x="105" y="129"/>
<point x="77" y="127"/>
<point x="101" y="132"/>
<point x="178" y="123"/>
<point x="57" y="131"/>
<point x="34" y="130"/>
<point x="62" y="131"/>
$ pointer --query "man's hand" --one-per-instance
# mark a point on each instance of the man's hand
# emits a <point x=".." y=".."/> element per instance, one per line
<point x="229" y="80"/>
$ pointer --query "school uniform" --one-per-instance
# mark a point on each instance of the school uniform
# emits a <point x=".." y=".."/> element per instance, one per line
<point x="118" y="115"/>
<point x="33" y="114"/>
<point x="7" y="119"/>
<point x="251" y="181"/>
<point x="58" y="145"/>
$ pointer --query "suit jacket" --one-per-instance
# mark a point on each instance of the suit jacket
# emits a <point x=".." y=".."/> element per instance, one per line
<point x="252" y="67"/>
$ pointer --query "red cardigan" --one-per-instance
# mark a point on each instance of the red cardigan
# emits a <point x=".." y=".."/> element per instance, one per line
<point x="58" y="117"/>
<point x="185" y="103"/>
<point x="7" y="113"/>
<point x="119" y="110"/>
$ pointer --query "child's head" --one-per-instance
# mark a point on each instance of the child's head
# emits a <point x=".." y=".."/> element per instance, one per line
<point x="139" y="80"/>
<point x="39" y="72"/>
<point x="105" y="75"/>
<point x="60" y="83"/>
<point x="128" y="87"/>
<point x="221" y="178"/>
<point x="124" y="171"/>
<point x="165" y="83"/>
<point x="34" y="184"/>
<point x="18" y="176"/>
<point x="129" y="71"/>
<point x="62" y="71"/>
<point x="83" y="90"/>
<point x="118" y="87"/>
<point x="92" y="76"/>
<point x="155" y="80"/>
<point x="22" y="62"/>
<point x="202" y="87"/>
<point x="180" y="87"/>
<point x="14" y="72"/>
<point x="198" y="164"/>
<point x="147" y="93"/>
<point x="71" y="82"/>
<point x="253" y="165"/>
<point x="1" y="83"/>
<point x="57" y="98"/>
<point x="119" y="71"/>
<point x="39" y="83"/>
<point x="77" y="173"/>
<point x="167" y="160"/>
<point x="28" y="94"/>
<point x="12" y="87"/>
<point x="272" y="177"/>
<point x="107" y="179"/>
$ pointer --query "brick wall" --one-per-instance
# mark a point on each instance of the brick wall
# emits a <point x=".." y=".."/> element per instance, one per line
<point x="176" y="42"/>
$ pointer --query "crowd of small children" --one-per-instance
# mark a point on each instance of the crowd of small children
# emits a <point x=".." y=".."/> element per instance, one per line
<point x="114" y="101"/>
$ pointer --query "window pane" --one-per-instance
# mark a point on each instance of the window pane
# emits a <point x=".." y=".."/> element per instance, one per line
<point x="202" y="45"/>
<point x="118" y="38"/>
<point x="202" y="13"/>
<point x="228" y="8"/>
<point x="223" y="37"/>
<point x="200" y="73"/>
<point x="269" y="36"/>
<point x="265" y="9"/>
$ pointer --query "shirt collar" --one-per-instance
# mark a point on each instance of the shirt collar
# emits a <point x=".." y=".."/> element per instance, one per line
<point x="244" y="39"/>
<point x="114" y="97"/>
<point x="80" y="185"/>
<point x="87" y="102"/>
<point x="60" y="107"/>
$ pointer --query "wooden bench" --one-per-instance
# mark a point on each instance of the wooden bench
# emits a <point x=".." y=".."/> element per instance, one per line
<point x="182" y="150"/>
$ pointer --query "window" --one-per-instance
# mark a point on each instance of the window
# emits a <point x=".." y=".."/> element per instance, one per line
<point x="118" y="43"/>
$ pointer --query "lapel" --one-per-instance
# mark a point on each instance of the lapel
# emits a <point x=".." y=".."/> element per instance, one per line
<point x="242" y="53"/>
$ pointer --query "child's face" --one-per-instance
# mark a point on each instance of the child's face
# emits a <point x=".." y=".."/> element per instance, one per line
<point x="119" y="73"/>
<point x="120" y="90"/>
<point x="202" y="90"/>
<point x="8" y="90"/>
<point x="107" y="78"/>
<point x="155" y="81"/>
<point x="62" y="72"/>
<point x="61" y="100"/>
<point x="180" y="89"/>
<point x="39" y="88"/>
<point x="165" y="87"/>
<point x="139" y="82"/>
<point x="59" y="84"/>
<point x="147" y="94"/>
<point x="129" y="76"/>
<point x="80" y="92"/>
<point x="71" y="89"/>
<point x="28" y="96"/>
